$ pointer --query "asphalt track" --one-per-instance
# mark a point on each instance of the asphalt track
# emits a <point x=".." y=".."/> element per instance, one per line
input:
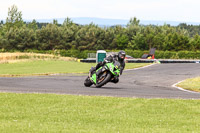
<point x="152" y="82"/>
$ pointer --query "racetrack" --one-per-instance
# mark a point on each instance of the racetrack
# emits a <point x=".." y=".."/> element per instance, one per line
<point x="152" y="82"/>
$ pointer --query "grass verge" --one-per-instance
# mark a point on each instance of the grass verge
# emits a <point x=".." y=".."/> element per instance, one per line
<point x="67" y="113"/>
<point x="192" y="84"/>
<point x="45" y="67"/>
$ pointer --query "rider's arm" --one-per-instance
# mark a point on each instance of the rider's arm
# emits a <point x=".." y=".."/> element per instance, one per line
<point x="122" y="68"/>
<point x="108" y="59"/>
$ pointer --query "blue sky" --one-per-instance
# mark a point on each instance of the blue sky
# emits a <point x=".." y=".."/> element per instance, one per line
<point x="164" y="10"/>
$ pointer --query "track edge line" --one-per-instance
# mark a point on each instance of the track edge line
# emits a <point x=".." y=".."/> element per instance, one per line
<point x="179" y="88"/>
<point x="139" y="67"/>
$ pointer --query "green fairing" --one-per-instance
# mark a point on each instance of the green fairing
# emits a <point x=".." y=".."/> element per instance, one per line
<point x="109" y="66"/>
<point x="93" y="78"/>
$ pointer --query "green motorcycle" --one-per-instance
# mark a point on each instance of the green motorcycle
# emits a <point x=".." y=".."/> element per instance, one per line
<point x="105" y="74"/>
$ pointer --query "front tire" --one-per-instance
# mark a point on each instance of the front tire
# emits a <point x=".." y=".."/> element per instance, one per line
<point x="106" y="80"/>
<point x="87" y="82"/>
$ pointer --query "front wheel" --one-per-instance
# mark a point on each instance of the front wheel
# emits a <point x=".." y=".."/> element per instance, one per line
<point x="103" y="80"/>
<point x="87" y="82"/>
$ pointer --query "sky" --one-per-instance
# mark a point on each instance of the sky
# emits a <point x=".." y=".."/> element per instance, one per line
<point x="161" y="10"/>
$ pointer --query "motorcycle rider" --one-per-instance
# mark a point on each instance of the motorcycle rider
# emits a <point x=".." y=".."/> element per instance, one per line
<point x="115" y="57"/>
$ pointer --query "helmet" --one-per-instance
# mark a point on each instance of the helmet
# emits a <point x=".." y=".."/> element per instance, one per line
<point x="121" y="55"/>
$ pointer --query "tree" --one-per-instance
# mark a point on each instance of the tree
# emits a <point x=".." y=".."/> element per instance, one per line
<point x="133" y="22"/>
<point x="14" y="18"/>
<point x="195" y="43"/>
<point x="109" y="39"/>
<point x="18" y="39"/>
<point x="48" y="37"/>
<point x="1" y="26"/>
<point x="68" y="22"/>
<point x="25" y="39"/>
<point x="138" y="42"/>
<point x="86" y="37"/>
<point x="133" y="28"/>
<point x="33" y="25"/>
<point x="122" y="41"/>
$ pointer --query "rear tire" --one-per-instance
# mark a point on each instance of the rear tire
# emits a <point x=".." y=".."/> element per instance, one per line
<point x="87" y="82"/>
<point x="106" y="80"/>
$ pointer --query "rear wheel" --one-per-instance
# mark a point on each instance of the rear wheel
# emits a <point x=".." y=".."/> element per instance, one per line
<point x="87" y="82"/>
<point x="103" y="79"/>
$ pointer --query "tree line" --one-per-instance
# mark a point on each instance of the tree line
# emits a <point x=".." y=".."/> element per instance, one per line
<point x="15" y="34"/>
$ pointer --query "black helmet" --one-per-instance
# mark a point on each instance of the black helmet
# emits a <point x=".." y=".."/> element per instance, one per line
<point x="121" y="55"/>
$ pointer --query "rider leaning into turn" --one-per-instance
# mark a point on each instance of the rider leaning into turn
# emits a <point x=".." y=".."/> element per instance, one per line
<point x="115" y="57"/>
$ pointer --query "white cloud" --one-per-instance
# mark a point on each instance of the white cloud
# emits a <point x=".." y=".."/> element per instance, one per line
<point x="174" y="10"/>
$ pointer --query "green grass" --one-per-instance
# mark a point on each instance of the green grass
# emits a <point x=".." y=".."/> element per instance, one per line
<point x="23" y="113"/>
<point x="49" y="67"/>
<point x="191" y="84"/>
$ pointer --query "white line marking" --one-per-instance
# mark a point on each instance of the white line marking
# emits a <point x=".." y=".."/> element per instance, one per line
<point x="174" y="85"/>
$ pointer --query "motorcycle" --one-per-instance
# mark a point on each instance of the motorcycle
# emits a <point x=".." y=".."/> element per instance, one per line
<point x="105" y="74"/>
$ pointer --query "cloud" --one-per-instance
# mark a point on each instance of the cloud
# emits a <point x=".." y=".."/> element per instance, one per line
<point x="174" y="10"/>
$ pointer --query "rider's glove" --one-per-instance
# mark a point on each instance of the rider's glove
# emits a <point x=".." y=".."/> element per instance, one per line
<point x="106" y="61"/>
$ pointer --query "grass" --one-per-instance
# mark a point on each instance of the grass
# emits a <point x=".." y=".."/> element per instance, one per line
<point x="191" y="84"/>
<point x="37" y="67"/>
<point x="22" y="113"/>
<point x="135" y="65"/>
<point x="19" y="55"/>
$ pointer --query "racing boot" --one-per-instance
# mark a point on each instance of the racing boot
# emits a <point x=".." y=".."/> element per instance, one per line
<point x="115" y="80"/>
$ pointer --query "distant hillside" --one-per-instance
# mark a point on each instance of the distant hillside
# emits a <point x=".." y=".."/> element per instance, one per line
<point x="111" y="22"/>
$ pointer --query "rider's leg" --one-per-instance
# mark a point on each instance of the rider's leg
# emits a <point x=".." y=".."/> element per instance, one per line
<point x="100" y="64"/>
<point x="95" y="68"/>
<point x="99" y="71"/>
